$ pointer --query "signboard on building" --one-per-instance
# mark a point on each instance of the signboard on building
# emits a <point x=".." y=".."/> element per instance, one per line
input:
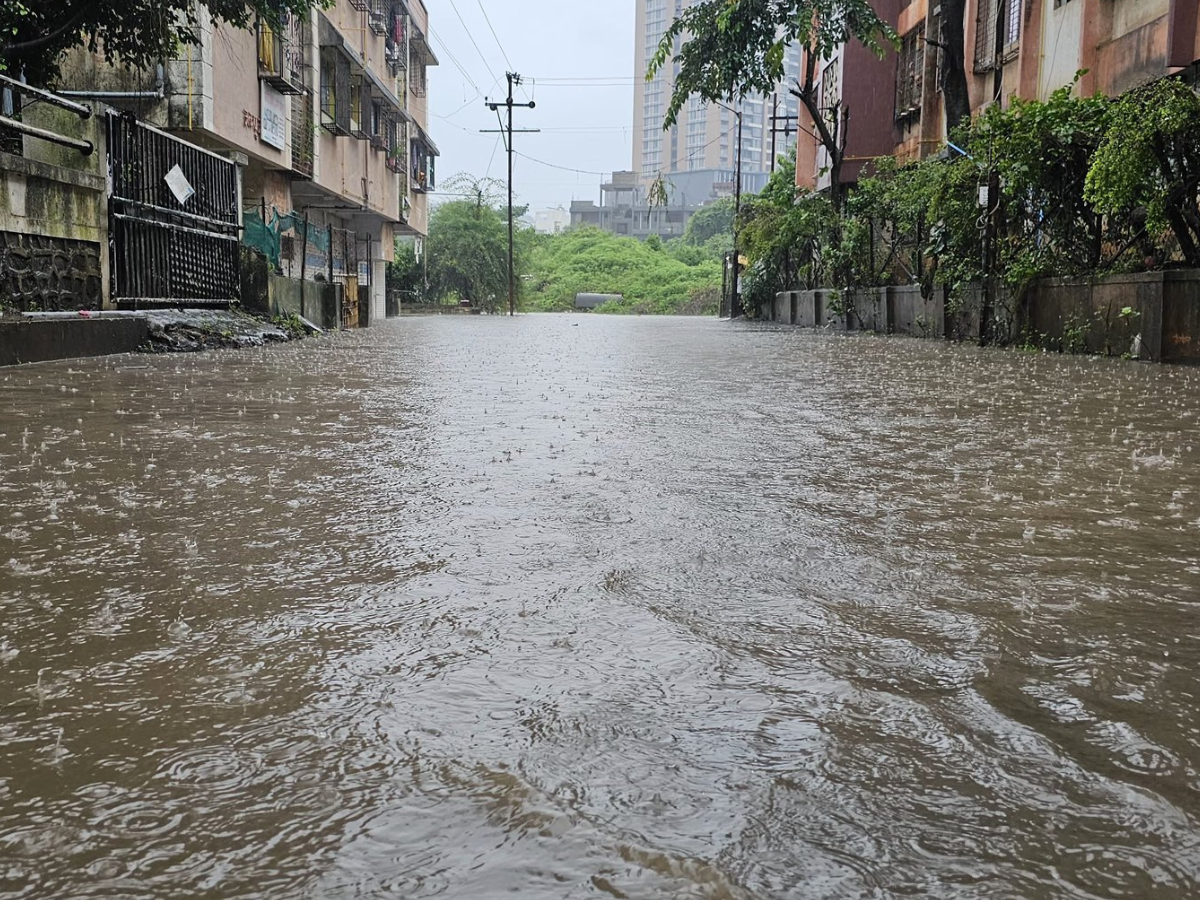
<point x="273" y="117"/>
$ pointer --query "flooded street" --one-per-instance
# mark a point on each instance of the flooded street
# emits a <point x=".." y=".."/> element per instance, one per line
<point x="570" y="607"/>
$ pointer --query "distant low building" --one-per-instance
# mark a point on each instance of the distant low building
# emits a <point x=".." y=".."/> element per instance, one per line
<point x="625" y="208"/>
<point x="551" y="221"/>
<point x="625" y="211"/>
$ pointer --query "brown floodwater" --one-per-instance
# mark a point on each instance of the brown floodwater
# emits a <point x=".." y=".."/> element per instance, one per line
<point x="570" y="607"/>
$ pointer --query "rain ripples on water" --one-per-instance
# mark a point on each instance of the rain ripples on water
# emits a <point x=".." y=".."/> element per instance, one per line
<point x="588" y="607"/>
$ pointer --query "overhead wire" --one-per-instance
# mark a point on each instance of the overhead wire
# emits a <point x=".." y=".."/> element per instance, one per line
<point x="486" y="65"/>
<point x="488" y="19"/>
<point x="542" y="162"/>
<point x="495" y="147"/>
<point x="450" y="55"/>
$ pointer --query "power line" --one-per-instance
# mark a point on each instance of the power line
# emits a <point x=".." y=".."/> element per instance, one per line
<point x="692" y="153"/>
<point x="495" y="147"/>
<point x="450" y="55"/>
<point x="587" y="78"/>
<point x="486" y="65"/>
<point x="583" y="84"/>
<point x="487" y="19"/>
<point x="542" y="162"/>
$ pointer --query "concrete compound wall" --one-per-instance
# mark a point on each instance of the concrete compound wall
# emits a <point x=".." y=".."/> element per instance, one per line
<point x="38" y="340"/>
<point x="319" y="302"/>
<point x="53" y="236"/>
<point x="1149" y="315"/>
<point x="890" y="310"/>
<point x="276" y="295"/>
<point x="1154" y="315"/>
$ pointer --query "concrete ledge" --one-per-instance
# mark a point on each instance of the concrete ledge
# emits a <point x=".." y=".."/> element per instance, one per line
<point x="31" y="168"/>
<point x="40" y="340"/>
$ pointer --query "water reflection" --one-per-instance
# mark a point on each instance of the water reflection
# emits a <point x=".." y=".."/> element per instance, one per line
<point x="585" y="607"/>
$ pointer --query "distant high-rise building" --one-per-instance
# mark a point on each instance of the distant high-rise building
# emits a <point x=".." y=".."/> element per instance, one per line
<point x="704" y="138"/>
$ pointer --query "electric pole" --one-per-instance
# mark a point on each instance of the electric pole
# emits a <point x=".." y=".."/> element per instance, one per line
<point x="736" y="308"/>
<point x="775" y="129"/>
<point x="735" y="294"/>
<point x="513" y="79"/>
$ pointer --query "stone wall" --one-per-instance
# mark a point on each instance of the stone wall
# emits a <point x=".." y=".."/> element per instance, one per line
<point x="53" y="228"/>
<point x="40" y="273"/>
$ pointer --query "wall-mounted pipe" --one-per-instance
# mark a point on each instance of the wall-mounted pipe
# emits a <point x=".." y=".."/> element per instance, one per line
<point x="157" y="94"/>
<point x="84" y="147"/>
<point x="116" y="95"/>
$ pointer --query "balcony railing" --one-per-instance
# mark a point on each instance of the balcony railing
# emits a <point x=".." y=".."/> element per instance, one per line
<point x="281" y="58"/>
<point x="379" y="16"/>
<point x="303" y="135"/>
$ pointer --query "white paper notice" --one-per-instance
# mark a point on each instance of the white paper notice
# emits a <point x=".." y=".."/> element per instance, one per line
<point x="179" y="185"/>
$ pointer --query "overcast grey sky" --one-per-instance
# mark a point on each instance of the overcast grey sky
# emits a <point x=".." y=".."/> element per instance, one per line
<point x="577" y="57"/>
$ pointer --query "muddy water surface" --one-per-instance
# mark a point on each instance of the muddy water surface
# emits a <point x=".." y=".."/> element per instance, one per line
<point x="567" y="607"/>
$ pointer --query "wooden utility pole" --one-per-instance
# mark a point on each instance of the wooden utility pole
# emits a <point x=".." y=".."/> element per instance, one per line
<point x="513" y="79"/>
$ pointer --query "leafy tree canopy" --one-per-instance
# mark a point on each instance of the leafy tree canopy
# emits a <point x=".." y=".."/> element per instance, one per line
<point x="1149" y="161"/>
<point x="468" y="255"/>
<point x="711" y="220"/>
<point x="732" y="47"/>
<point x="35" y="33"/>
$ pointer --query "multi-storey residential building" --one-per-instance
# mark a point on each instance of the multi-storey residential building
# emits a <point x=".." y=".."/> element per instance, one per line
<point x="1026" y="49"/>
<point x="327" y="117"/>
<point x="704" y="139"/>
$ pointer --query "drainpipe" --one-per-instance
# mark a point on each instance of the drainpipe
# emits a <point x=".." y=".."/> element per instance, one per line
<point x="157" y="94"/>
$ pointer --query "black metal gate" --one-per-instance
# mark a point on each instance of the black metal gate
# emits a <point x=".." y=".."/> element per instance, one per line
<point x="173" y="216"/>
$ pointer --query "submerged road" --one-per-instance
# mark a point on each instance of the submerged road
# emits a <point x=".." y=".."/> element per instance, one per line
<point x="583" y="607"/>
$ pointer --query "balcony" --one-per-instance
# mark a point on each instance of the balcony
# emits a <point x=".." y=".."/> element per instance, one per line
<point x="336" y="80"/>
<point x="303" y="135"/>
<point x="281" y="57"/>
<point x="379" y="16"/>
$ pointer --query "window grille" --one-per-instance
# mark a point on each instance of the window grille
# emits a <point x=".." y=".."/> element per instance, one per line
<point x="910" y="70"/>
<point x="1002" y="15"/>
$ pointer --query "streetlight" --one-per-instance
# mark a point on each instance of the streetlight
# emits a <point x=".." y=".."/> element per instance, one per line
<point x="735" y="307"/>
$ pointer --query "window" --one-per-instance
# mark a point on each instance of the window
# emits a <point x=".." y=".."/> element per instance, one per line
<point x="830" y="88"/>
<point x="335" y="91"/>
<point x="1003" y="16"/>
<point x="360" y="108"/>
<point x="910" y="70"/>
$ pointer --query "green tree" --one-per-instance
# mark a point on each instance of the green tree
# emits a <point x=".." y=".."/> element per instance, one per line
<point x="35" y="33"/>
<point x="480" y="191"/>
<point x="709" y="221"/>
<point x="734" y="47"/>
<point x="788" y="241"/>
<point x="468" y="255"/>
<point x="1148" y="164"/>
<point x="405" y="274"/>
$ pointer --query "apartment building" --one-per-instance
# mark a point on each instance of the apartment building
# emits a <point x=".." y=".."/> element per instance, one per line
<point x="1023" y="48"/>
<point x="704" y="139"/>
<point x="326" y="117"/>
